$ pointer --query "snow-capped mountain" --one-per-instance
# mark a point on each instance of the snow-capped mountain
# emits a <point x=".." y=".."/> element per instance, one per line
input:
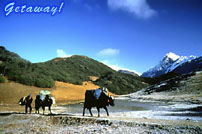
<point x="128" y="72"/>
<point x="190" y="66"/>
<point x="180" y="61"/>
<point x="169" y="63"/>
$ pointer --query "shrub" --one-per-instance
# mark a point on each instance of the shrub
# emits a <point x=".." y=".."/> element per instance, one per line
<point x="44" y="82"/>
<point x="77" y="82"/>
<point x="26" y="79"/>
<point x="2" y="79"/>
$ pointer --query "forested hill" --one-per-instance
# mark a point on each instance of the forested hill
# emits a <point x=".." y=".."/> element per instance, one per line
<point x="74" y="69"/>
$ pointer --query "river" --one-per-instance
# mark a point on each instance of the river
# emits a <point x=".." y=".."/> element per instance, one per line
<point x="127" y="108"/>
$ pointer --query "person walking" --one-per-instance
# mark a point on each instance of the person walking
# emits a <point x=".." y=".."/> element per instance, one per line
<point x="28" y="102"/>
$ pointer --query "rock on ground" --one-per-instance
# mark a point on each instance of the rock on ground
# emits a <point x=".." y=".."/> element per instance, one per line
<point x="39" y="124"/>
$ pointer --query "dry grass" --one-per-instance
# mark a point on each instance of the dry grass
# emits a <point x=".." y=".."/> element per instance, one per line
<point x="93" y="78"/>
<point x="11" y="92"/>
<point x="64" y="93"/>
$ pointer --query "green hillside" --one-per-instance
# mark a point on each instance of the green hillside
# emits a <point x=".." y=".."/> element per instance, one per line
<point x="75" y="70"/>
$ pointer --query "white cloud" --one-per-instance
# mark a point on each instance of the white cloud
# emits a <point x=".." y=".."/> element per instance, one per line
<point x="139" y="8"/>
<point x="114" y="67"/>
<point x="108" y="52"/>
<point x="117" y="67"/>
<point x="61" y="53"/>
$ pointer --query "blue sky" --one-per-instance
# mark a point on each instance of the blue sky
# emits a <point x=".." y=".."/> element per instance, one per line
<point x="131" y="34"/>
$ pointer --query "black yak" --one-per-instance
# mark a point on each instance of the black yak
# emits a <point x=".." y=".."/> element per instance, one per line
<point x="27" y="101"/>
<point x="47" y="102"/>
<point x="38" y="103"/>
<point x="102" y="102"/>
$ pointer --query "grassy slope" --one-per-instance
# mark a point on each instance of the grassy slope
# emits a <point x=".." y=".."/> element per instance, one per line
<point x="11" y="92"/>
<point x="187" y="88"/>
<point x="75" y="70"/>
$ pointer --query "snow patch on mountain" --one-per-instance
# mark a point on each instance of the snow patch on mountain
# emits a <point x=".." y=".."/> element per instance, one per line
<point x="180" y="61"/>
<point x="122" y="70"/>
<point x="132" y="72"/>
<point x="172" y="56"/>
<point x="168" y="64"/>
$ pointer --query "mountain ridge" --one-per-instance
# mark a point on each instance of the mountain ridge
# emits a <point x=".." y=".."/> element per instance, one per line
<point x="128" y="72"/>
<point x="190" y="66"/>
<point x="169" y="63"/>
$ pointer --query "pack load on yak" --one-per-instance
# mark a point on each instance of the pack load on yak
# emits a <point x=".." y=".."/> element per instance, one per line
<point x="97" y="92"/>
<point x="22" y="101"/>
<point x="43" y="94"/>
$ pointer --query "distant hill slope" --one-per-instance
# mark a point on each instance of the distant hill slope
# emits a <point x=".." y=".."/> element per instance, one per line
<point x="185" y="88"/>
<point x="128" y="72"/>
<point x="75" y="70"/>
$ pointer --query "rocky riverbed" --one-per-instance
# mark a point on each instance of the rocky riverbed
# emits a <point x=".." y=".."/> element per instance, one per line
<point x="16" y="123"/>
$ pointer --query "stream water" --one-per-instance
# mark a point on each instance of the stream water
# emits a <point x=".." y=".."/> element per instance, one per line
<point x="136" y="109"/>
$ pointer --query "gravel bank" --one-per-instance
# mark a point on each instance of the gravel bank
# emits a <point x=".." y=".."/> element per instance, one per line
<point x="17" y="123"/>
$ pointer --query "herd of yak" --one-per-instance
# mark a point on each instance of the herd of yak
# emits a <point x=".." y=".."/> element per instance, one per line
<point x="98" y="98"/>
<point x="27" y="101"/>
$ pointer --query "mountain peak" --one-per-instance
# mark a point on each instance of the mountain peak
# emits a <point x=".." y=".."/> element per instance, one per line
<point x="169" y="63"/>
<point x="172" y="56"/>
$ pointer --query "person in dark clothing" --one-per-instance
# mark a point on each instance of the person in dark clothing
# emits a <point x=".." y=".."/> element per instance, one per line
<point x="28" y="102"/>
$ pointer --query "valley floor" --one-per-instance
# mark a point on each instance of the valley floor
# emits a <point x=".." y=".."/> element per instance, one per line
<point x="13" y="120"/>
<point x="60" y="122"/>
<point x="66" y="124"/>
